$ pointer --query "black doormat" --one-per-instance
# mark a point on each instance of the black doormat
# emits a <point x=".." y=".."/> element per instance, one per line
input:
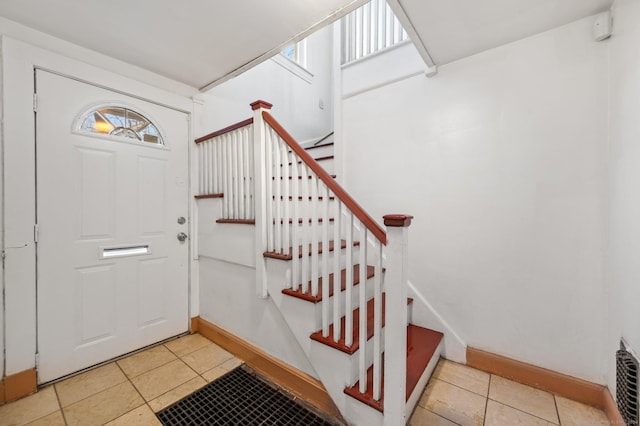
<point x="240" y="397"/>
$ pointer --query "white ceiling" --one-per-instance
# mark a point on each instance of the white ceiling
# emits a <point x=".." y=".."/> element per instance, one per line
<point x="196" y="42"/>
<point x="454" y="29"/>
<point x="204" y="42"/>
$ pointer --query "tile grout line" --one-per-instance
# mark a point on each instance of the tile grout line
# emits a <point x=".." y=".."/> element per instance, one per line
<point x="442" y="417"/>
<point x="92" y="395"/>
<point x="555" y="403"/>
<point x="135" y="388"/>
<point x="460" y="387"/>
<point x="525" y="412"/>
<point x="64" y="417"/>
<point x="189" y="353"/>
<point x="486" y="401"/>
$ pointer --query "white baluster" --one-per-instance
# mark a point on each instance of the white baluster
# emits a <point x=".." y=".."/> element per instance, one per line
<point x="229" y="162"/>
<point x="211" y="165"/>
<point x="337" y="272"/>
<point x="382" y="21"/>
<point x="277" y="191"/>
<point x="373" y="27"/>
<point x="325" y="262"/>
<point x="246" y="173"/>
<point x="304" y="229"/>
<point x="251" y="180"/>
<point x="287" y="183"/>
<point x="366" y="25"/>
<point x="399" y="30"/>
<point x="377" y="321"/>
<point x="218" y="165"/>
<point x="389" y="27"/>
<point x="353" y="35"/>
<point x="237" y="149"/>
<point x="348" y="325"/>
<point x="362" y="293"/>
<point x="313" y="229"/>
<point x="359" y="21"/>
<point x="201" y="167"/>
<point x="271" y="182"/>
<point x="223" y="173"/>
<point x="296" y="276"/>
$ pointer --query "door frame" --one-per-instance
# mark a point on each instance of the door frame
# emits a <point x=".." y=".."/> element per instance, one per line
<point x="19" y="176"/>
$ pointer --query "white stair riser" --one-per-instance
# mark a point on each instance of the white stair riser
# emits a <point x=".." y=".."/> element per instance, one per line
<point x="328" y="165"/>
<point x="360" y="414"/>
<point x="306" y="231"/>
<point x="355" y="297"/>
<point x="320" y="265"/>
<point x="321" y="151"/>
<point x="305" y="208"/>
<point x="325" y="163"/>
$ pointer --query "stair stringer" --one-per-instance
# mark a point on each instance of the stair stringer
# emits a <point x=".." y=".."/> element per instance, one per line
<point x="333" y="366"/>
<point x="335" y="369"/>
<point x="425" y="315"/>
<point x="422" y="382"/>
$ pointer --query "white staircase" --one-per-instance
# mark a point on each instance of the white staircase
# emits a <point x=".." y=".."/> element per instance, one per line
<point x="335" y="275"/>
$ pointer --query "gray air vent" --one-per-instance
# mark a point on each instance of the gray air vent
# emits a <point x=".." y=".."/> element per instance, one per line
<point x="627" y="385"/>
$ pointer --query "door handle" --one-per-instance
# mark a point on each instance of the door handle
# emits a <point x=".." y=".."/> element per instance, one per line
<point x="182" y="237"/>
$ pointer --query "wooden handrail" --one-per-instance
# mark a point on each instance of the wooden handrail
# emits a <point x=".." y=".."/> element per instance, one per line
<point x="225" y="130"/>
<point x="342" y="195"/>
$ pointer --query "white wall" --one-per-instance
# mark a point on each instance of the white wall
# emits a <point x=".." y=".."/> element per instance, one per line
<point x="295" y="100"/>
<point x="501" y="158"/>
<point x="624" y="220"/>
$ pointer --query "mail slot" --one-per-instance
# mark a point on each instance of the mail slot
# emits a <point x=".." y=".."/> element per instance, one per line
<point x="137" y="250"/>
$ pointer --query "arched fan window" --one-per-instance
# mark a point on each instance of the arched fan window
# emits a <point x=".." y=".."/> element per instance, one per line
<point x="121" y="122"/>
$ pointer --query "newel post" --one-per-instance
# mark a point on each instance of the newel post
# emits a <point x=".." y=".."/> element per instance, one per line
<point x="395" y="352"/>
<point x="260" y="194"/>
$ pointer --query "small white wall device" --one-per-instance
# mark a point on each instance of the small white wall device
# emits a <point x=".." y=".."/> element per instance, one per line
<point x="602" y="26"/>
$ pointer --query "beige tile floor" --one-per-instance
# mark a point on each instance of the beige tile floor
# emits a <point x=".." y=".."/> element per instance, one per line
<point x="460" y="395"/>
<point x="129" y="391"/>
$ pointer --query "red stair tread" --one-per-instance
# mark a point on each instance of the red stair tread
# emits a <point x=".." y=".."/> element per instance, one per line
<point x="289" y="256"/>
<point x="300" y="198"/>
<point x="309" y="148"/>
<point x="340" y="344"/>
<point x="421" y="346"/>
<point x="305" y="294"/>
<point x="326" y="157"/>
<point x="299" y="177"/>
<point x="203" y="196"/>
<point x="237" y="221"/>
<point x="320" y="220"/>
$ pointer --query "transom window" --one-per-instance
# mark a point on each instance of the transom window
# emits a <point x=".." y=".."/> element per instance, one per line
<point x="121" y="122"/>
<point x="297" y="53"/>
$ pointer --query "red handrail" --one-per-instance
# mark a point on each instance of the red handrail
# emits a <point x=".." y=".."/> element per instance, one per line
<point x="225" y="130"/>
<point x="342" y="195"/>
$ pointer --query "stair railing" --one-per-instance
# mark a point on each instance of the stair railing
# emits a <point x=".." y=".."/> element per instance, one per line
<point x="299" y="191"/>
<point x="262" y="173"/>
<point x="369" y="29"/>
<point x="225" y="160"/>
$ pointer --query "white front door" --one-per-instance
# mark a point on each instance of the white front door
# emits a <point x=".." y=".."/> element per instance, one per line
<point x="112" y="274"/>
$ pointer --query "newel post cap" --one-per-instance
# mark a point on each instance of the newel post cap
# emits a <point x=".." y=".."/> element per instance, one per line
<point x="260" y="104"/>
<point x="397" y="220"/>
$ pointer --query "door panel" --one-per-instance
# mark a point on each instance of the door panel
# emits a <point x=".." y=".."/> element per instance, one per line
<point x="112" y="276"/>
